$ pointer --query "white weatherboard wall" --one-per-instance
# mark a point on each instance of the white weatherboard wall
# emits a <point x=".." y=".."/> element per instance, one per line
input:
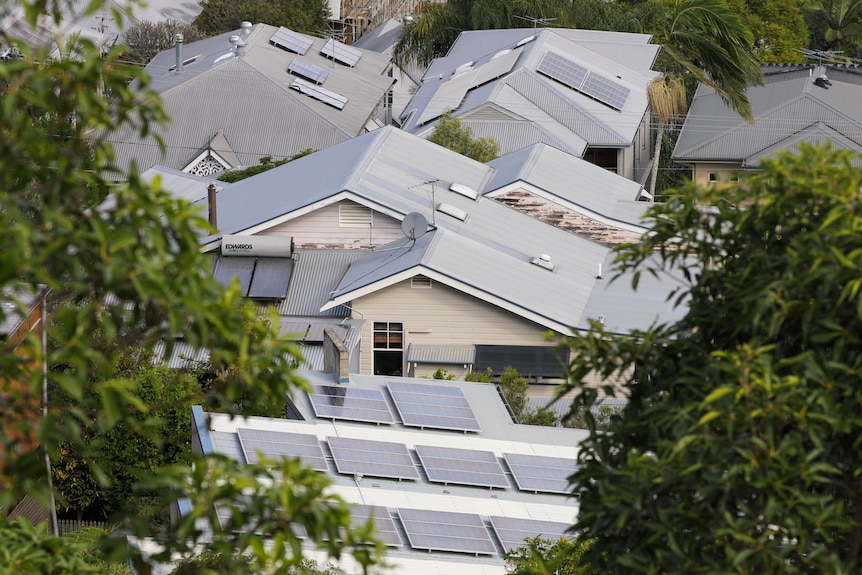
<point x="442" y="316"/>
<point x="321" y="228"/>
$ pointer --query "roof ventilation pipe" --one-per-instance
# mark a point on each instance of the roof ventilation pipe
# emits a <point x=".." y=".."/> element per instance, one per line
<point x="211" y="204"/>
<point x="245" y="28"/>
<point x="178" y="45"/>
<point x="543" y="261"/>
<point x="238" y="44"/>
<point x="599" y="275"/>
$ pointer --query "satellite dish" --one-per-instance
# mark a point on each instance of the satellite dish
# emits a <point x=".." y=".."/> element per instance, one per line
<point x="414" y="225"/>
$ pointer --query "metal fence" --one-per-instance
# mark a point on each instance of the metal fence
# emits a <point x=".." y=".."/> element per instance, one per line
<point x="69" y="525"/>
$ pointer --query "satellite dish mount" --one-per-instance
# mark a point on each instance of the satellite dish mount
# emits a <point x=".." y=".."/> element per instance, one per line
<point x="414" y="225"/>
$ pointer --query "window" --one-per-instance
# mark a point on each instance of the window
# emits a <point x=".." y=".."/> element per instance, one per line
<point x="354" y="216"/>
<point x="712" y="177"/>
<point x="388" y="348"/>
<point x="733" y="178"/>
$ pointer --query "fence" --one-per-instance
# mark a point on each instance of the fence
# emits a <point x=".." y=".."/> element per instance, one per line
<point x="69" y="525"/>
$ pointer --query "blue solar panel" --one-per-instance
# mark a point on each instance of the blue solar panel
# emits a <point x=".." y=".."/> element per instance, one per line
<point x="322" y="94"/>
<point x="308" y="71"/>
<point x="539" y="473"/>
<point x="606" y="91"/>
<point x="290" y="40"/>
<point x="513" y="531"/>
<point x="341" y="52"/>
<point x="577" y="77"/>
<point x="462" y="466"/>
<point x="562" y="70"/>
<point x="281" y="444"/>
<point x="372" y="458"/>
<point x="350" y="403"/>
<point x="447" y="531"/>
<point x="432" y="406"/>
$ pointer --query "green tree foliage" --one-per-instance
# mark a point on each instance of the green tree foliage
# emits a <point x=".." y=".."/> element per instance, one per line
<point x="738" y="451"/>
<point x="143" y="442"/>
<point x="545" y="557"/>
<point x="450" y="133"/>
<point x="836" y="25"/>
<point x="265" y="164"/>
<point x="779" y="30"/>
<point x="129" y="276"/>
<point x="146" y="39"/>
<point x="220" y="16"/>
<point x="437" y="26"/>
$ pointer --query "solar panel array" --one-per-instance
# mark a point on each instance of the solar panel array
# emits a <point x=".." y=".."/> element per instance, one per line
<point x="308" y="71"/>
<point x="512" y="532"/>
<point x="606" y="91"/>
<point x="447" y="97"/>
<point x="538" y="473"/>
<point x="290" y="40"/>
<point x="447" y="531"/>
<point x="384" y="526"/>
<point x="432" y="406"/>
<point x="350" y="403"/>
<point x="372" y="458"/>
<point x="326" y="96"/>
<point x="579" y="78"/>
<point x="280" y="444"/>
<point x="462" y="466"/>
<point x="341" y="52"/>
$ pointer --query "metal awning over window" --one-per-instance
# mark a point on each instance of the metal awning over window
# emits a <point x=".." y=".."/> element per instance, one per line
<point x="444" y="355"/>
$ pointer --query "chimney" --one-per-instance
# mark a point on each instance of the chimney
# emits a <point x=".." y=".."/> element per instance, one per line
<point x="178" y="44"/>
<point x="211" y="203"/>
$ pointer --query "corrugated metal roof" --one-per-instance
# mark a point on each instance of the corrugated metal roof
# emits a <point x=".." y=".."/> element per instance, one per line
<point x="785" y="107"/>
<point x="453" y="354"/>
<point x="380" y="39"/>
<point x="15" y="304"/>
<point x="248" y="99"/>
<point x="183" y="185"/>
<point x="184" y="356"/>
<point x="627" y="56"/>
<point x="315" y="274"/>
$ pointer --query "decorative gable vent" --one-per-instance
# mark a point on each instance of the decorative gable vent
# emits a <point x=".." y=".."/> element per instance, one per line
<point x="355" y="216"/>
<point x="422" y="282"/>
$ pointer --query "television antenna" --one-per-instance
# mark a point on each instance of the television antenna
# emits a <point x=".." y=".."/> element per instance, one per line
<point x="433" y="194"/>
<point x="829" y="55"/>
<point x="536" y="21"/>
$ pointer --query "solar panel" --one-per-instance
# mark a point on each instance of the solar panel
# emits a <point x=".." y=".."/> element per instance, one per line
<point x="291" y="41"/>
<point x="350" y="403"/>
<point x="434" y="406"/>
<point x="537" y="473"/>
<point x="606" y="91"/>
<point x="341" y="52"/>
<point x="280" y="444"/>
<point x="372" y="458"/>
<point x="384" y="526"/>
<point x="318" y="93"/>
<point x="446" y="531"/>
<point x="228" y="267"/>
<point x="562" y="70"/>
<point x="512" y="531"/>
<point x="464" y="466"/>
<point x="271" y="278"/>
<point x="308" y="71"/>
<point x="494" y="68"/>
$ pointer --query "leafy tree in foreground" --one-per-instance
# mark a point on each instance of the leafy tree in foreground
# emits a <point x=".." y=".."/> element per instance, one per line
<point x="540" y="556"/>
<point x="739" y="449"/>
<point x="449" y="133"/>
<point x="129" y="276"/>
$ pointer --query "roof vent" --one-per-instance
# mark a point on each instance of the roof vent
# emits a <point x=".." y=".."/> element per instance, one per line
<point x="526" y="40"/>
<point x="501" y="53"/>
<point x="464" y="67"/>
<point x="465" y="191"/>
<point x="451" y="210"/>
<point x="245" y="27"/>
<point x="543" y="261"/>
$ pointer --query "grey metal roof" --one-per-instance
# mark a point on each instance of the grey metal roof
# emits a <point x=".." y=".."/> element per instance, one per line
<point x="390" y="171"/>
<point x="16" y="302"/>
<point x="315" y="274"/>
<point x="571" y="180"/>
<point x="183" y="356"/>
<point x="380" y="39"/>
<point x="569" y="119"/>
<point x="249" y="100"/>
<point x="787" y="110"/>
<point x="189" y="187"/>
